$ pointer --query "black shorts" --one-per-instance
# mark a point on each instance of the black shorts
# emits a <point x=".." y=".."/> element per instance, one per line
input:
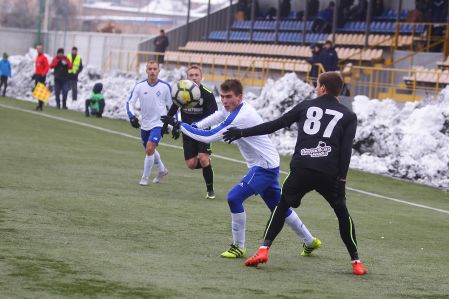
<point x="302" y="180"/>
<point x="192" y="147"/>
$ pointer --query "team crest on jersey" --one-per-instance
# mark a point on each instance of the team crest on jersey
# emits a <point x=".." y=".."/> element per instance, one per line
<point x="322" y="150"/>
<point x="158" y="93"/>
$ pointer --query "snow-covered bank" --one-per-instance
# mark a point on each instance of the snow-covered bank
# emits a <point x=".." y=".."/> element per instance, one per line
<point x="409" y="141"/>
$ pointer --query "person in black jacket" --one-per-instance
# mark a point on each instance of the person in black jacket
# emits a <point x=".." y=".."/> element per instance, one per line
<point x="196" y="153"/>
<point x="61" y="65"/>
<point x="160" y="45"/>
<point x="314" y="60"/>
<point x="326" y="130"/>
<point x="329" y="57"/>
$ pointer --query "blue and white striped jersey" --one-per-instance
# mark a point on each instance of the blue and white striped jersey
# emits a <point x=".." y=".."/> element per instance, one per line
<point x="256" y="150"/>
<point x="154" y="100"/>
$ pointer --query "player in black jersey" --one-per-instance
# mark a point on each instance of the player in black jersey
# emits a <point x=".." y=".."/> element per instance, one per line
<point x="197" y="153"/>
<point x="326" y="131"/>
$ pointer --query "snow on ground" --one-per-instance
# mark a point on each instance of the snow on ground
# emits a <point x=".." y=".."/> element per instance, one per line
<point x="409" y="141"/>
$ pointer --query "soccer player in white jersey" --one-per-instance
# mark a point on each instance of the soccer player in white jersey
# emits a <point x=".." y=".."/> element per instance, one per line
<point x="261" y="157"/>
<point x="154" y="96"/>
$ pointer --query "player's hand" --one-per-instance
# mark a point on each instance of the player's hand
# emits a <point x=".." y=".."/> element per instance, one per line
<point x="232" y="134"/>
<point x="171" y="121"/>
<point x="175" y="133"/>
<point x="164" y="130"/>
<point x="134" y="122"/>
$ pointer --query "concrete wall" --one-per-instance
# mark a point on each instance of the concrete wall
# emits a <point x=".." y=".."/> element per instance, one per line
<point x="93" y="47"/>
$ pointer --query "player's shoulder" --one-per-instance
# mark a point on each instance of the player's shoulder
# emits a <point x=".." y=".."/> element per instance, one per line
<point x="141" y="83"/>
<point x="165" y="83"/>
<point x="206" y="89"/>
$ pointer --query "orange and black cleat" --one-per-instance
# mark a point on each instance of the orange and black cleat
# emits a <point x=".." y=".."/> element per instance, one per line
<point x="260" y="257"/>
<point x="358" y="268"/>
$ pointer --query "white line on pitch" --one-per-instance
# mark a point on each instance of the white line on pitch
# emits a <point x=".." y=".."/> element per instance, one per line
<point x="215" y="156"/>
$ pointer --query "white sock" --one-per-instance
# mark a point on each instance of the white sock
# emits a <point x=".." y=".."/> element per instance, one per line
<point x="299" y="228"/>
<point x="147" y="165"/>
<point x="239" y="228"/>
<point x="158" y="161"/>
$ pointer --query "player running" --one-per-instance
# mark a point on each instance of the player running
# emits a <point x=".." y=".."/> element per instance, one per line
<point x="197" y="153"/>
<point x="326" y="131"/>
<point x="262" y="160"/>
<point x="154" y="96"/>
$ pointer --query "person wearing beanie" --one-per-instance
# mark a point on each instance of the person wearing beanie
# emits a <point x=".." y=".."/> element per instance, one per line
<point x="61" y="65"/>
<point x="95" y="104"/>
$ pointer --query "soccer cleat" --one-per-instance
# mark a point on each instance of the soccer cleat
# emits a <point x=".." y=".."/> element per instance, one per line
<point x="234" y="252"/>
<point x="210" y="194"/>
<point x="159" y="176"/>
<point x="260" y="257"/>
<point x="144" y="181"/>
<point x="308" y="249"/>
<point x="358" y="268"/>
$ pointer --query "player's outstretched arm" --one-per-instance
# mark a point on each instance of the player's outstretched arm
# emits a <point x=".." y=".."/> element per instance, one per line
<point x="284" y="121"/>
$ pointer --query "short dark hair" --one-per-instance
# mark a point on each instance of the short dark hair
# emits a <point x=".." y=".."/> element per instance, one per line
<point x="75" y="48"/>
<point x="60" y="50"/>
<point x="162" y="31"/>
<point x="233" y="85"/>
<point x="194" y="67"/>
<point x="332" y="81"/>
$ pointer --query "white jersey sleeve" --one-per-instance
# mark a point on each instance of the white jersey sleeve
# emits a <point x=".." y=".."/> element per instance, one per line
<point x="257" y="150"/>
<point x="212" y="120"/>
<point x="133" y="97"/>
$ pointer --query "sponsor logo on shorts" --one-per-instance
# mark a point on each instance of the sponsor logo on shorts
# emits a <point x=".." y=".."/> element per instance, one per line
<point x="322" y="150"/>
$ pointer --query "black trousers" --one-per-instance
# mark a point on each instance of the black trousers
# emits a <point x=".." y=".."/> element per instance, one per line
<point x="41" y="79"/>
<point x="74" y="87"/>
<point x="97" y="113"/>
<point x="299" y="182"/>
<point x="4" y="83"/>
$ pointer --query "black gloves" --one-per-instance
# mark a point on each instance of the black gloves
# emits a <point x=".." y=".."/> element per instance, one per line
<point x="171" y="121"/>
<point x="232" y="134"/>
<point x="175" y="133"/>
<point x="134" y="122"/>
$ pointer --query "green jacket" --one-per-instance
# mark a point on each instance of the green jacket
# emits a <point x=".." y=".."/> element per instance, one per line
<point x="95" y="100"/>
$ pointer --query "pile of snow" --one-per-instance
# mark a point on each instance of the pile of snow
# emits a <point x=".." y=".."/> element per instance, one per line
<point x="409" y="141"/>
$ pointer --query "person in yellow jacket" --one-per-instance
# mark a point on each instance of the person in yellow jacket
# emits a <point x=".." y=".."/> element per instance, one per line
<point x="77" y="67"/>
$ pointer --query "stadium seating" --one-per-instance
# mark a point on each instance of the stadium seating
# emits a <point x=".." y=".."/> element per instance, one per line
<point x="295" y="65"/>
<point x="427" y="77"/>
<point x="383" y="27"/>
<point x="391" y="15"/>
<point x="272" y="50"/>
<point x="287" y="25"/>
<point x="377" y="40"/>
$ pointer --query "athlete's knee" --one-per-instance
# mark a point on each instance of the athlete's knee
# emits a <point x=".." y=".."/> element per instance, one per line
<point x="290" y="200"/>
<point x="150" y="148"/>
<point x="235" y="201"/>
<point x="204" y="159"/>
<point x="340" y="208"/>
<point x="191" y="163"/>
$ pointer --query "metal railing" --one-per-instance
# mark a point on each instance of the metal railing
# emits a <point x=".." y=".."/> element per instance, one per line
<point x="398" y="84"/>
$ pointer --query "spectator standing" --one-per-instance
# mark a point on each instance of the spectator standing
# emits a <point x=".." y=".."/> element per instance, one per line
<point x="95" y="104"/>
<point x="316" y="52"/>
<point x="285" y="8"/>
<point x="160" y="45"/>
<point x="41" y="70"/>
<point x="61" y="65"/>
<point x="313" y="6"/>
<point x="323" y="21"/>
<point x="5" y="72"/>
<point x="329" y="57"/>
<point x="378" y="8"/>
<point x="77" y="67"/>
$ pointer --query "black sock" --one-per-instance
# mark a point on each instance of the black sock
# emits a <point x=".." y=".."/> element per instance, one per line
<point x="208" y="175"/>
